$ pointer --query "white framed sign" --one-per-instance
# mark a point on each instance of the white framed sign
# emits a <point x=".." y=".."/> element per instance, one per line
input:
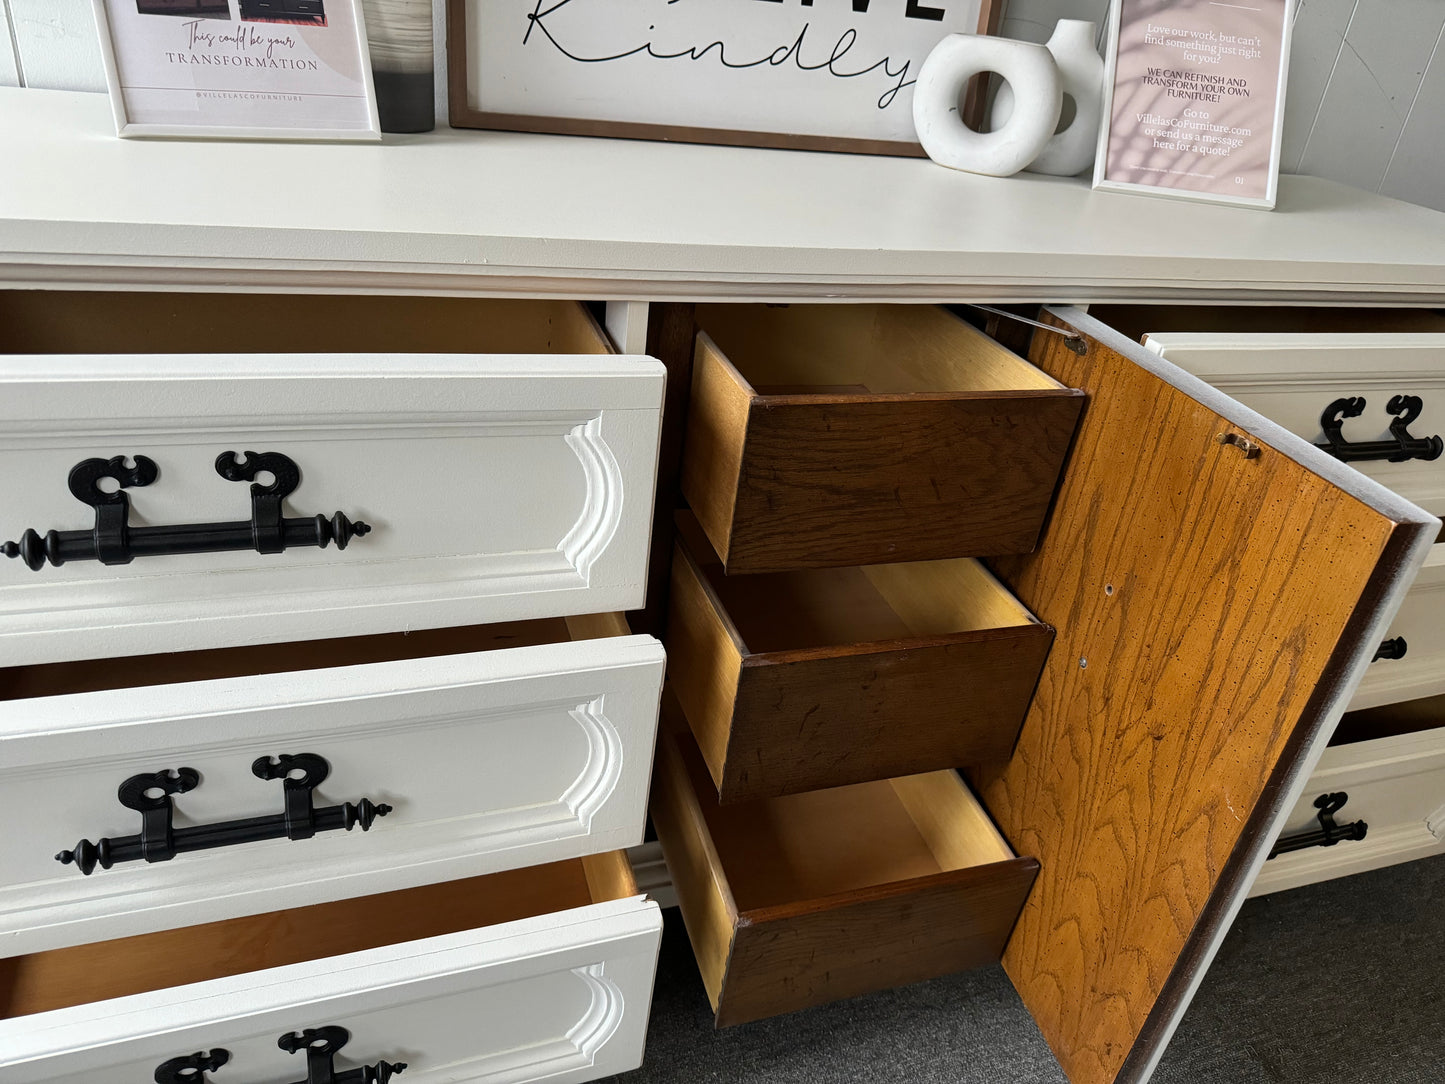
<point x="825" y="75"/>
<point x="238" y="69"/>
<point x="1194" y="99"/>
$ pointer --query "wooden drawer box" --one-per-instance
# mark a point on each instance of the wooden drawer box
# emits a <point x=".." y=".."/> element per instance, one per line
<point x="797" y="681"/>
<point x="510" y="483"/>
<point x="795" y="901"/>
<point x="459" y="752"/>
<point x="844" y="435"/>
<point x="535" y="974"/>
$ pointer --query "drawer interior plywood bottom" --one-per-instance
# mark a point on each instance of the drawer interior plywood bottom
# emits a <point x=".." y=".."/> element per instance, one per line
<point x="92" y="675"/>
<point x="61" y="978"/>
<point x="75" y="322"/>
<point x="802" y="680"/>
<point x="807" y="898"/>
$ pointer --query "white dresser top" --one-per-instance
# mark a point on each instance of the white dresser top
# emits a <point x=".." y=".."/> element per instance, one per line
<point x="498" y="213"/>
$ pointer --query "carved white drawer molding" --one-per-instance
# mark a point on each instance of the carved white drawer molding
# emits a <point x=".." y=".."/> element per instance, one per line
<point x="424" y="770"/>
<point x="470" y="489"/>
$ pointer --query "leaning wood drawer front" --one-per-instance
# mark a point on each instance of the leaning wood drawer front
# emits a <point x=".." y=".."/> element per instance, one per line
<point x="795" y="901"/>
<point x="822" y="436"/>
<point x="797" y="681"/>
<point x="1396" y="785"/>
<point x="536" y="974"/>
<point x="1294" y="379"/>
<point x="494" y="488"/>
<point x="1418" y="629"/>
<point x="485" y="758"/>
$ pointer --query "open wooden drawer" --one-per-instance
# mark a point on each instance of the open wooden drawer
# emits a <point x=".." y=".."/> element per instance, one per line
<point x="542" y="973"/>
<point x="796" y="681"/>
<point x="794" y="901"/>
<point x="1217" y="587"/>
<point x="413" y="759"/>
<point x="822" y="436"/>
<point x="442" y="463"/>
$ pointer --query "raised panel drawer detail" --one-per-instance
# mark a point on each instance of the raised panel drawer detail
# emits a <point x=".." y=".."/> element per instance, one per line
<point x="495" y="488"/>
<point x="1396" y="785"/>
<point x="487" y="760"/>
<point x="796" y="901"/>
<point x="822" y="436"/>
<point x="536" y="974"/>
<point x="798" y="681"/>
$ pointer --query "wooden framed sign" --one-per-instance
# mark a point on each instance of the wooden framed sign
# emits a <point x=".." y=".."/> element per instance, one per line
<point x="1194" y="99"/>
<point x="832" y="75"/>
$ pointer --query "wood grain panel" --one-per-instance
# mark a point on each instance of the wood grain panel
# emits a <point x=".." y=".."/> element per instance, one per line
<point x="1199" y="597"/>
<point x="828" y="481"/>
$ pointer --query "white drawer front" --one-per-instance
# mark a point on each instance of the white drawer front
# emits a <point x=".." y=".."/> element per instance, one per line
<point x="1421" y="623"/>
<point x="1395" y="785"/>
<point x="490" y="761"/>
<point x="496" y="487"/>
<point x="561" y="997"/>
<point x="1292" y="378"/>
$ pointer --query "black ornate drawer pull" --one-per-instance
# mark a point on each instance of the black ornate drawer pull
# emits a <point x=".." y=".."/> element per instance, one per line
<point x="113" y="541"/>
<point x="192" y="1068"/>
<point x="321" y="1046"/>
<point x="1405" y="408"/>
<point x="1328" y="833"/>
<point x="1394" y="648"/>
<point x="160" y="841"/>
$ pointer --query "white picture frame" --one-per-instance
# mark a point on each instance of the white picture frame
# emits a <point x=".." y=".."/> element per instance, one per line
<point x="1105" y="174"/>
<point x="355" y="114"/>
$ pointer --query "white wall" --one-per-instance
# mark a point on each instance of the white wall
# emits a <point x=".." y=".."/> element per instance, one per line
<point x="1366" y="99"/>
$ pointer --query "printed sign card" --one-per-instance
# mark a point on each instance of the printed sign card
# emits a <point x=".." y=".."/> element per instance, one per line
<point x="834" y="75"/>
<point x="1195" y="99"/>
<point x="248" y="69"/>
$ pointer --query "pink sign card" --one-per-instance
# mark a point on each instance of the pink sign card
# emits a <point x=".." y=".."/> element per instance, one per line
<point x="1195" y="98"/>
<point x="267" y="69"/>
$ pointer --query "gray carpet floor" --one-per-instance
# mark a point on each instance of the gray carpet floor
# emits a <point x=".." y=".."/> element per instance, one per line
<point x="1333" y="983"/>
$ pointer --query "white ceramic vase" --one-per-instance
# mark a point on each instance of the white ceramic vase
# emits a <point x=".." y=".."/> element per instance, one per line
<point x="1072" y="150"/>
<point x="1038" y="97"/>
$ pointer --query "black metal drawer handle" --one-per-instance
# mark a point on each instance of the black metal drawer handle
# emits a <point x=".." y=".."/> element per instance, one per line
<point x="1393" y="648"/>
<point x="113" y="541"/>
<point x="1328" y="833"/>
<point x="321" y="1046"/>
<point x="160" y="841"/>
<point x="1405" y="408"/>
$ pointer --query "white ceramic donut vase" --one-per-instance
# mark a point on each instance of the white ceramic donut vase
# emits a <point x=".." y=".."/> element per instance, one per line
<point x="1038" y="97"/>
<point x="1071" y="151"/>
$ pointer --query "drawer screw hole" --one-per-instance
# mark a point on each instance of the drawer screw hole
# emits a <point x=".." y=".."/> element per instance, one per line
<point x="1248" y="447"/>
<point x="1108" y="588"/>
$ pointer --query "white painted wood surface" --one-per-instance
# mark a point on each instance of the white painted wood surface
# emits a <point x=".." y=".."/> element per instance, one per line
<point x="561" y="997"/>
<point x="1396" y="786"/>
<point x="497" y="487"/>
<point x="58" y="44"/>
<point x="1421" y="621"/>
<point x="630" y="220"/>
<point x="491" y="760"/>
